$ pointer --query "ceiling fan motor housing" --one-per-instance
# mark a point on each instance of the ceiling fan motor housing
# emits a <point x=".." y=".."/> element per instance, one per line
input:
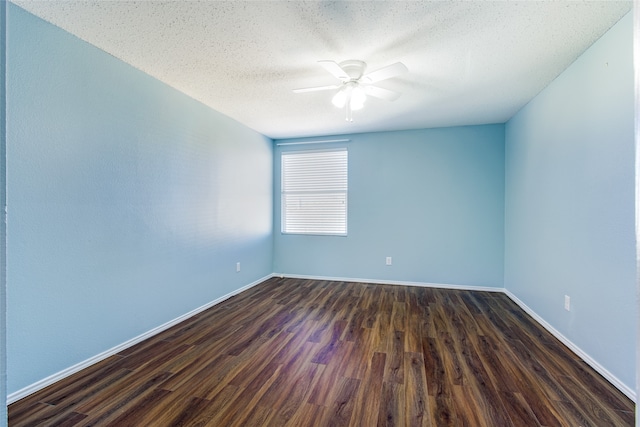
<point x="354" y="68"/>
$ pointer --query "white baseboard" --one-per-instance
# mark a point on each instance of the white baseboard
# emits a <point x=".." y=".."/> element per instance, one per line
<point x="393" y="282"/>
<point x="39" y="385"/>
<point x="628" y="391"/>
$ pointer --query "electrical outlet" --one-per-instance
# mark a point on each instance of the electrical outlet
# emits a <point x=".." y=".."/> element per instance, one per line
<point x="388" y="260"/>
<point x="237" y="267"/>
<point x="567" y="303"/>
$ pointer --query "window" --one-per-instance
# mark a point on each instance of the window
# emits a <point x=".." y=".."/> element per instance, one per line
<point x="314" y="192"/>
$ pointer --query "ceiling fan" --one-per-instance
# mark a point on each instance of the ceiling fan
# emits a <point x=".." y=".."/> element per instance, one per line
<point x="355" y="85"/>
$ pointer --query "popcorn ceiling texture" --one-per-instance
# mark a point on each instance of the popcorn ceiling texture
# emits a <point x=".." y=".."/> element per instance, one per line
<point x="469" y="62"/>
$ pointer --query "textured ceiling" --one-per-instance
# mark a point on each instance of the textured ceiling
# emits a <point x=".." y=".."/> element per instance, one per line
<point x="470" y="62"/>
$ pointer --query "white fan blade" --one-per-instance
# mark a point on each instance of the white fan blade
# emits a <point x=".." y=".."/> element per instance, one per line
<point x="381" y="93"/>
<point x="315" y="89"/>
<point x="335" y="69"/>
<point x="385" y="73"/>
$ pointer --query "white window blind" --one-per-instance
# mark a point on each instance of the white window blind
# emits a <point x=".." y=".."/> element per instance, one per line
<point x="314" y="192"/>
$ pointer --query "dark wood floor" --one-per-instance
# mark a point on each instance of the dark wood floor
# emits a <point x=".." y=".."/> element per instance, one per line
<point x="314" y="353"/>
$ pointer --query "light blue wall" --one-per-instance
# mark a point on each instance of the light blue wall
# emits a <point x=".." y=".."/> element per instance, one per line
<point x="570" y="203"/>
<point x="636" y="55"/>
<point x="3" y="225"/>
<point x="431" y="199"/>
<point x="129" y="203"/>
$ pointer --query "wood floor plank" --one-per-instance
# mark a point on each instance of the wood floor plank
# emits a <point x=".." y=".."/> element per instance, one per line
<point x="382" y="326"/>
<point x="433" y="366"/>
<point x="139" y="414"/>
<point x="340" y="411"/>
<point x="237" y="411"/>
<point x="354" y="326"/>
<point x="258" y="417"/>
<point x="219" y="403"/>
<point x="416" y="396"/>
<point x="307" y="415"/>
<point x="293" y="397"/>
<point x="67" y="390"/>
<point x="392" y="405"/>
<point x="325" y="388"/>
<point x="528" y="389"/>
<point x="413" y="333"/>
<point x="451" y="359"/>
<point x="70" y="420"/>
<point x="466" y="409"/>
<point x="292" y="352"/>
<point x="395" y="363"/>
<point x="108" y="409"/>
<point x="259" y="359"/>
<point x="590" y="408"/>
<point x="368" y="400"/>
<point x="326" y="352"/>
<point x="190" y="411"/>
<point x="482" y="387"/>
<point x="217" y="379"/>
<point x="518" y="410"/>
<point x="398" y="317"/>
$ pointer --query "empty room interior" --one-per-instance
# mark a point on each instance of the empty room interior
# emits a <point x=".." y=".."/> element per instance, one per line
<point x="318" y="213"/>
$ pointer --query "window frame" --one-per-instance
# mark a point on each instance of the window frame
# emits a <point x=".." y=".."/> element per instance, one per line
<point x="283" y="193"/>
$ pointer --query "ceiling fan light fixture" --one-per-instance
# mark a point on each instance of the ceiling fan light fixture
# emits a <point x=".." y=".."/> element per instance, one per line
<point x="340" y="98"/>
<point x="358" y="97"/>
<point x="352" y="92"/>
